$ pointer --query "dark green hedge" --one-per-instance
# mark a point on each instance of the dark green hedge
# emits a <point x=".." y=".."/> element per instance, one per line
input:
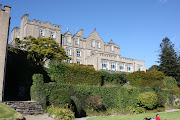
<point x="114" y="77"/>
<point x="73" y="74"/>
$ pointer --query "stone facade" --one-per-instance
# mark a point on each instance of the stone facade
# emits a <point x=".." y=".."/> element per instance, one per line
<point x="4" y="32"/>
<point x="89" y="51"/>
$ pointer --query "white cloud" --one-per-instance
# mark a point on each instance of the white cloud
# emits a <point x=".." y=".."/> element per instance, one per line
<point x="163" y="1"/>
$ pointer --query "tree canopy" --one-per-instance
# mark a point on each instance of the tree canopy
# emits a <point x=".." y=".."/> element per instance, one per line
<point x="169" y="59"/>
<point x="42" y="49"/>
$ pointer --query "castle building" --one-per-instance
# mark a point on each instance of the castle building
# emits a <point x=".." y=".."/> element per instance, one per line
<point x="4" y="30"/>
<point x="91" y="50"/>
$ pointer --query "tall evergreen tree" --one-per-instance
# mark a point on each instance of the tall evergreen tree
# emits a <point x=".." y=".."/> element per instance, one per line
<point x="169" y="60"/>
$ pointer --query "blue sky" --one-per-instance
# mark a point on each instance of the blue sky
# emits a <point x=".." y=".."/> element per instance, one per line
<point x="137" y="26"/>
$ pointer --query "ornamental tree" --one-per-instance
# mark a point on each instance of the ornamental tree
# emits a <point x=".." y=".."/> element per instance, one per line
<point x="42" y="49"/>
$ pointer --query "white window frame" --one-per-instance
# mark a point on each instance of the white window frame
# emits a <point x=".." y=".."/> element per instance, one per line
<point x="69" y="61"/>
<point x="68" y="51"/>
<point x="112" y="47"/>
<point x="139" y="68"/>
<point x="122" y="67"/>
<point x="53" y="34"/>
<point x="98" y="44"/>
<point x="77" y="41"/>
<point x="78" y="53"/>
<point x="92" y="43"/>
<point x="42" y="32"/>
<point x="129" y="67"/>
<point x="105" y="65"/>
<point x="68" y="39"/>
<point x="113" y="66"/>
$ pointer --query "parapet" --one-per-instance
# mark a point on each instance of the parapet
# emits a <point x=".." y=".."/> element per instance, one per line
<point x="41" y="24"/>
<point x="6" y="8"/>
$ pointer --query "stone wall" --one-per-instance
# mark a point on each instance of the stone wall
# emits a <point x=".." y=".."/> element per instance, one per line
<point x="4" y="32"/>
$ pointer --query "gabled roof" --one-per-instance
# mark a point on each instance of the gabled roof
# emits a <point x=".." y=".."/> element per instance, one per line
<point x="95" y="34"/>
<point x="68" y="32"/>
<point x="112" y="43"/>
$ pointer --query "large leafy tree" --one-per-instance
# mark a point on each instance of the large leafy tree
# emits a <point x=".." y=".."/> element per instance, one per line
<point x="42" y="49"/>
<point x="169" y="60"/>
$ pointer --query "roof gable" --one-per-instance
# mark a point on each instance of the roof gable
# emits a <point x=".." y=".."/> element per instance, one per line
<point x="94" y="35"/>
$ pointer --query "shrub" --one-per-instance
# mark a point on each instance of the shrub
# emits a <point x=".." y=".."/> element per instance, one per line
<point x="60" y="113"/>
<point x="142" y="79"/>
<point x="37" y="90"/>
<point x="117" y="78"/>
<point x="77" y="103"/>
<point x="73" y="74"/>
<point x="170" y="82"/>
<point x="162" y="99"/>
<point x="140" y="110"/>
<point x="148" y="100"/>
<point x="156" y="86"/>
<point x="59" y="97"/>
<point x="95" y="103"/>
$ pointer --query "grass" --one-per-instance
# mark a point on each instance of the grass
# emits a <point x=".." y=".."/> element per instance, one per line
<point x="8" y="113"/>
<point x="163" y="116"/>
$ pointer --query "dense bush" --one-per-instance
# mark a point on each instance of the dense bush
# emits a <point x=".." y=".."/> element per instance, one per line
<point x="148" y="100"/>
<point x="115" y="77"/>
<point x="170" y="82"/>
<point x="95" y="103"/>
<point x="59" y="97"/>
<point x="73" y="74"/>
<point x="145" y="79"/>
<point x="37" y="90"/>
<point x="157" y="86"/>
<point x="60" y="113"/>
<point x="162" y="99"/>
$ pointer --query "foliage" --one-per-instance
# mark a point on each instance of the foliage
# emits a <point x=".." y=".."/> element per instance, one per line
<point x="59" y="97"/>
<point x="116" y="77"/>
<point x="145" y="79"/>
<point x="77" y="103"/>
<point x="95" y="103"/>
<point x="169" y="59"/>
<point x="60" y="113"/>
<point x="42" y="49"/>
<point x="136" y="78"/>
<point x="154" y="68"/>
<point x="37" y="90"/>
<point x="156" y="86"/>
<point x="170" y="82"/>
<point x="162" y="99"/>
<point x="73" y="73"/>
<point x="148" y="100"/>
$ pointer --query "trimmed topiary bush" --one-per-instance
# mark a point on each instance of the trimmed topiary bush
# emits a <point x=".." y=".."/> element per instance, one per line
<point x="148" y="100"/>
<point x="37" y="90"/>
<point x="59" y="97"/>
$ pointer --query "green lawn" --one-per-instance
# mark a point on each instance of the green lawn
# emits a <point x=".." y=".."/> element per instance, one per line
<point x="163" y="116"/>
<point x="7" y="112"/>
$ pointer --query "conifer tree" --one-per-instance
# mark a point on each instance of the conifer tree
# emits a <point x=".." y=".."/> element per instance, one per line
<point x="169" y="60"/>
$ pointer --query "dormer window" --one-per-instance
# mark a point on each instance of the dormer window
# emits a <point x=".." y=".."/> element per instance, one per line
<point x="98" y="45"/>
<point x="68" y="39"/>
<point x="112" y="48"/>
<point x="93" y="43"/>
<point x="77" y="41"/>
<point x="42" y="32"/>
<point x="53" y="34"/>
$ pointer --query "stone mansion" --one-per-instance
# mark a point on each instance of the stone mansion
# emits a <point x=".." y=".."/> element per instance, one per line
<point x="91" y="50"/>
